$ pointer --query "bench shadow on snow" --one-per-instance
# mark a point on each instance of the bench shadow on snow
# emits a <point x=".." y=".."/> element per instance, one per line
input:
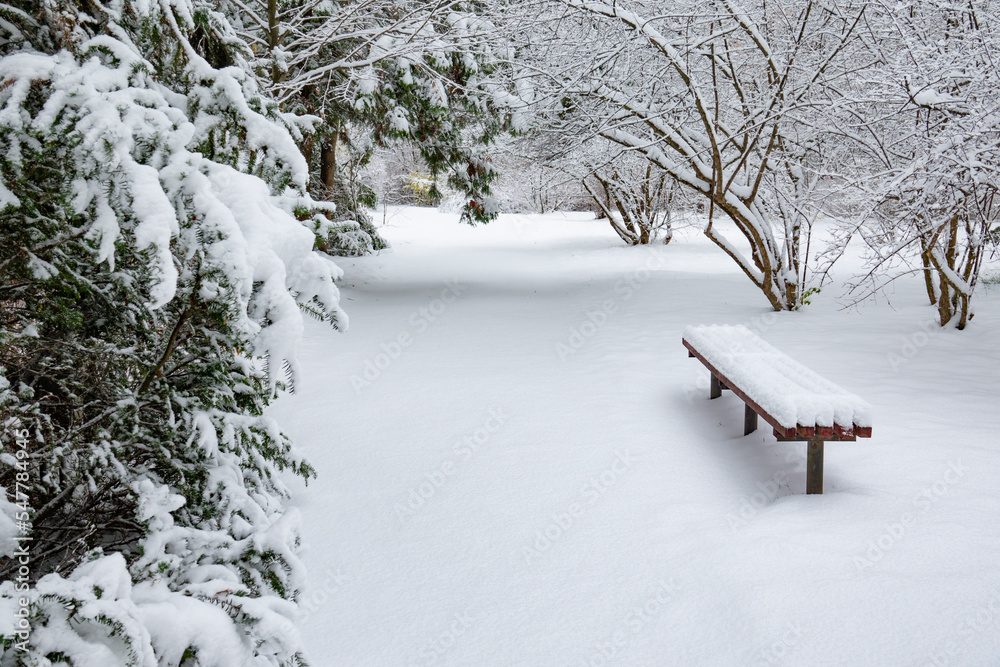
<point x="747" y="466"/>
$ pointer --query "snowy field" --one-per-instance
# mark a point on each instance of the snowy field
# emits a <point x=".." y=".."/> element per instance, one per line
<point x="519" y="464"/>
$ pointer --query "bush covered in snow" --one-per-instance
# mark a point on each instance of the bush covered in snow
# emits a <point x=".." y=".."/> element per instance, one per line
<point x="156" y="255"/>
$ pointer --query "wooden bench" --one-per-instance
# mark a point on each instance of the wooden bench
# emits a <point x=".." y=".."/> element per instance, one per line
<point x="800" y="404"/>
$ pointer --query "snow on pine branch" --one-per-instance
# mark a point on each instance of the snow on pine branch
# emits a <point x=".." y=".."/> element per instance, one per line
<point x="121" y="119"/>
<point x="172" y="181"/>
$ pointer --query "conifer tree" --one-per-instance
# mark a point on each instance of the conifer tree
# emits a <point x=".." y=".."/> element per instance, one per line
<point x="382" y="72"/>
<point x="156" y="256"/>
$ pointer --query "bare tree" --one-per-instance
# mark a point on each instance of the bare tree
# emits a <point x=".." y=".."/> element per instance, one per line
<point x="725" y="96"/>
<point x="636" y="197"/>
<point x="929" y="128"/>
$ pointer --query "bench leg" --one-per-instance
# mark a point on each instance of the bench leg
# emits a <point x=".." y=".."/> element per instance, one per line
<point x="716" y="389"/>
<point x="814" y="466"/>
<point x="749" y="420"/>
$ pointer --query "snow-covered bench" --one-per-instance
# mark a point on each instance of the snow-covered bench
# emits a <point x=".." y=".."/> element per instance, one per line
<point x="797" y="402"/>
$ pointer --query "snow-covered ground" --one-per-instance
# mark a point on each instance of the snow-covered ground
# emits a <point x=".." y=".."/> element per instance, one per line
<point x="519" y="464"/>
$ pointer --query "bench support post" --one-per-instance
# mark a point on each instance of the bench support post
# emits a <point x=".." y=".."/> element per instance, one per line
<point x="814" y="466"/>
<point x="716" y="389"/>
<point x="749" y="420"/>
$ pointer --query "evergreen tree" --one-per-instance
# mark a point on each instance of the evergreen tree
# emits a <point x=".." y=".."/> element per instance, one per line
<point x="156" y="254"/>
<point x="382" y="72"/>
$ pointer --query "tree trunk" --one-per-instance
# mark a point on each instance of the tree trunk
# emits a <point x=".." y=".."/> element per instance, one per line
<point x="309" y="141"/>
<point x="620" y="229"/>
<point x="307" y="151"/>
<point x="963" y="312"/>
<point x="761" y="251"/>
<point x="328" y="163"/>
<point x="932" y="291"/>
<point x="944" y="304"/>
<point x="274" y="39"/>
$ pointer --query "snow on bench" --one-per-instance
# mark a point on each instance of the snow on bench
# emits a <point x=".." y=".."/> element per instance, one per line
<point x="799" y="403"/>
